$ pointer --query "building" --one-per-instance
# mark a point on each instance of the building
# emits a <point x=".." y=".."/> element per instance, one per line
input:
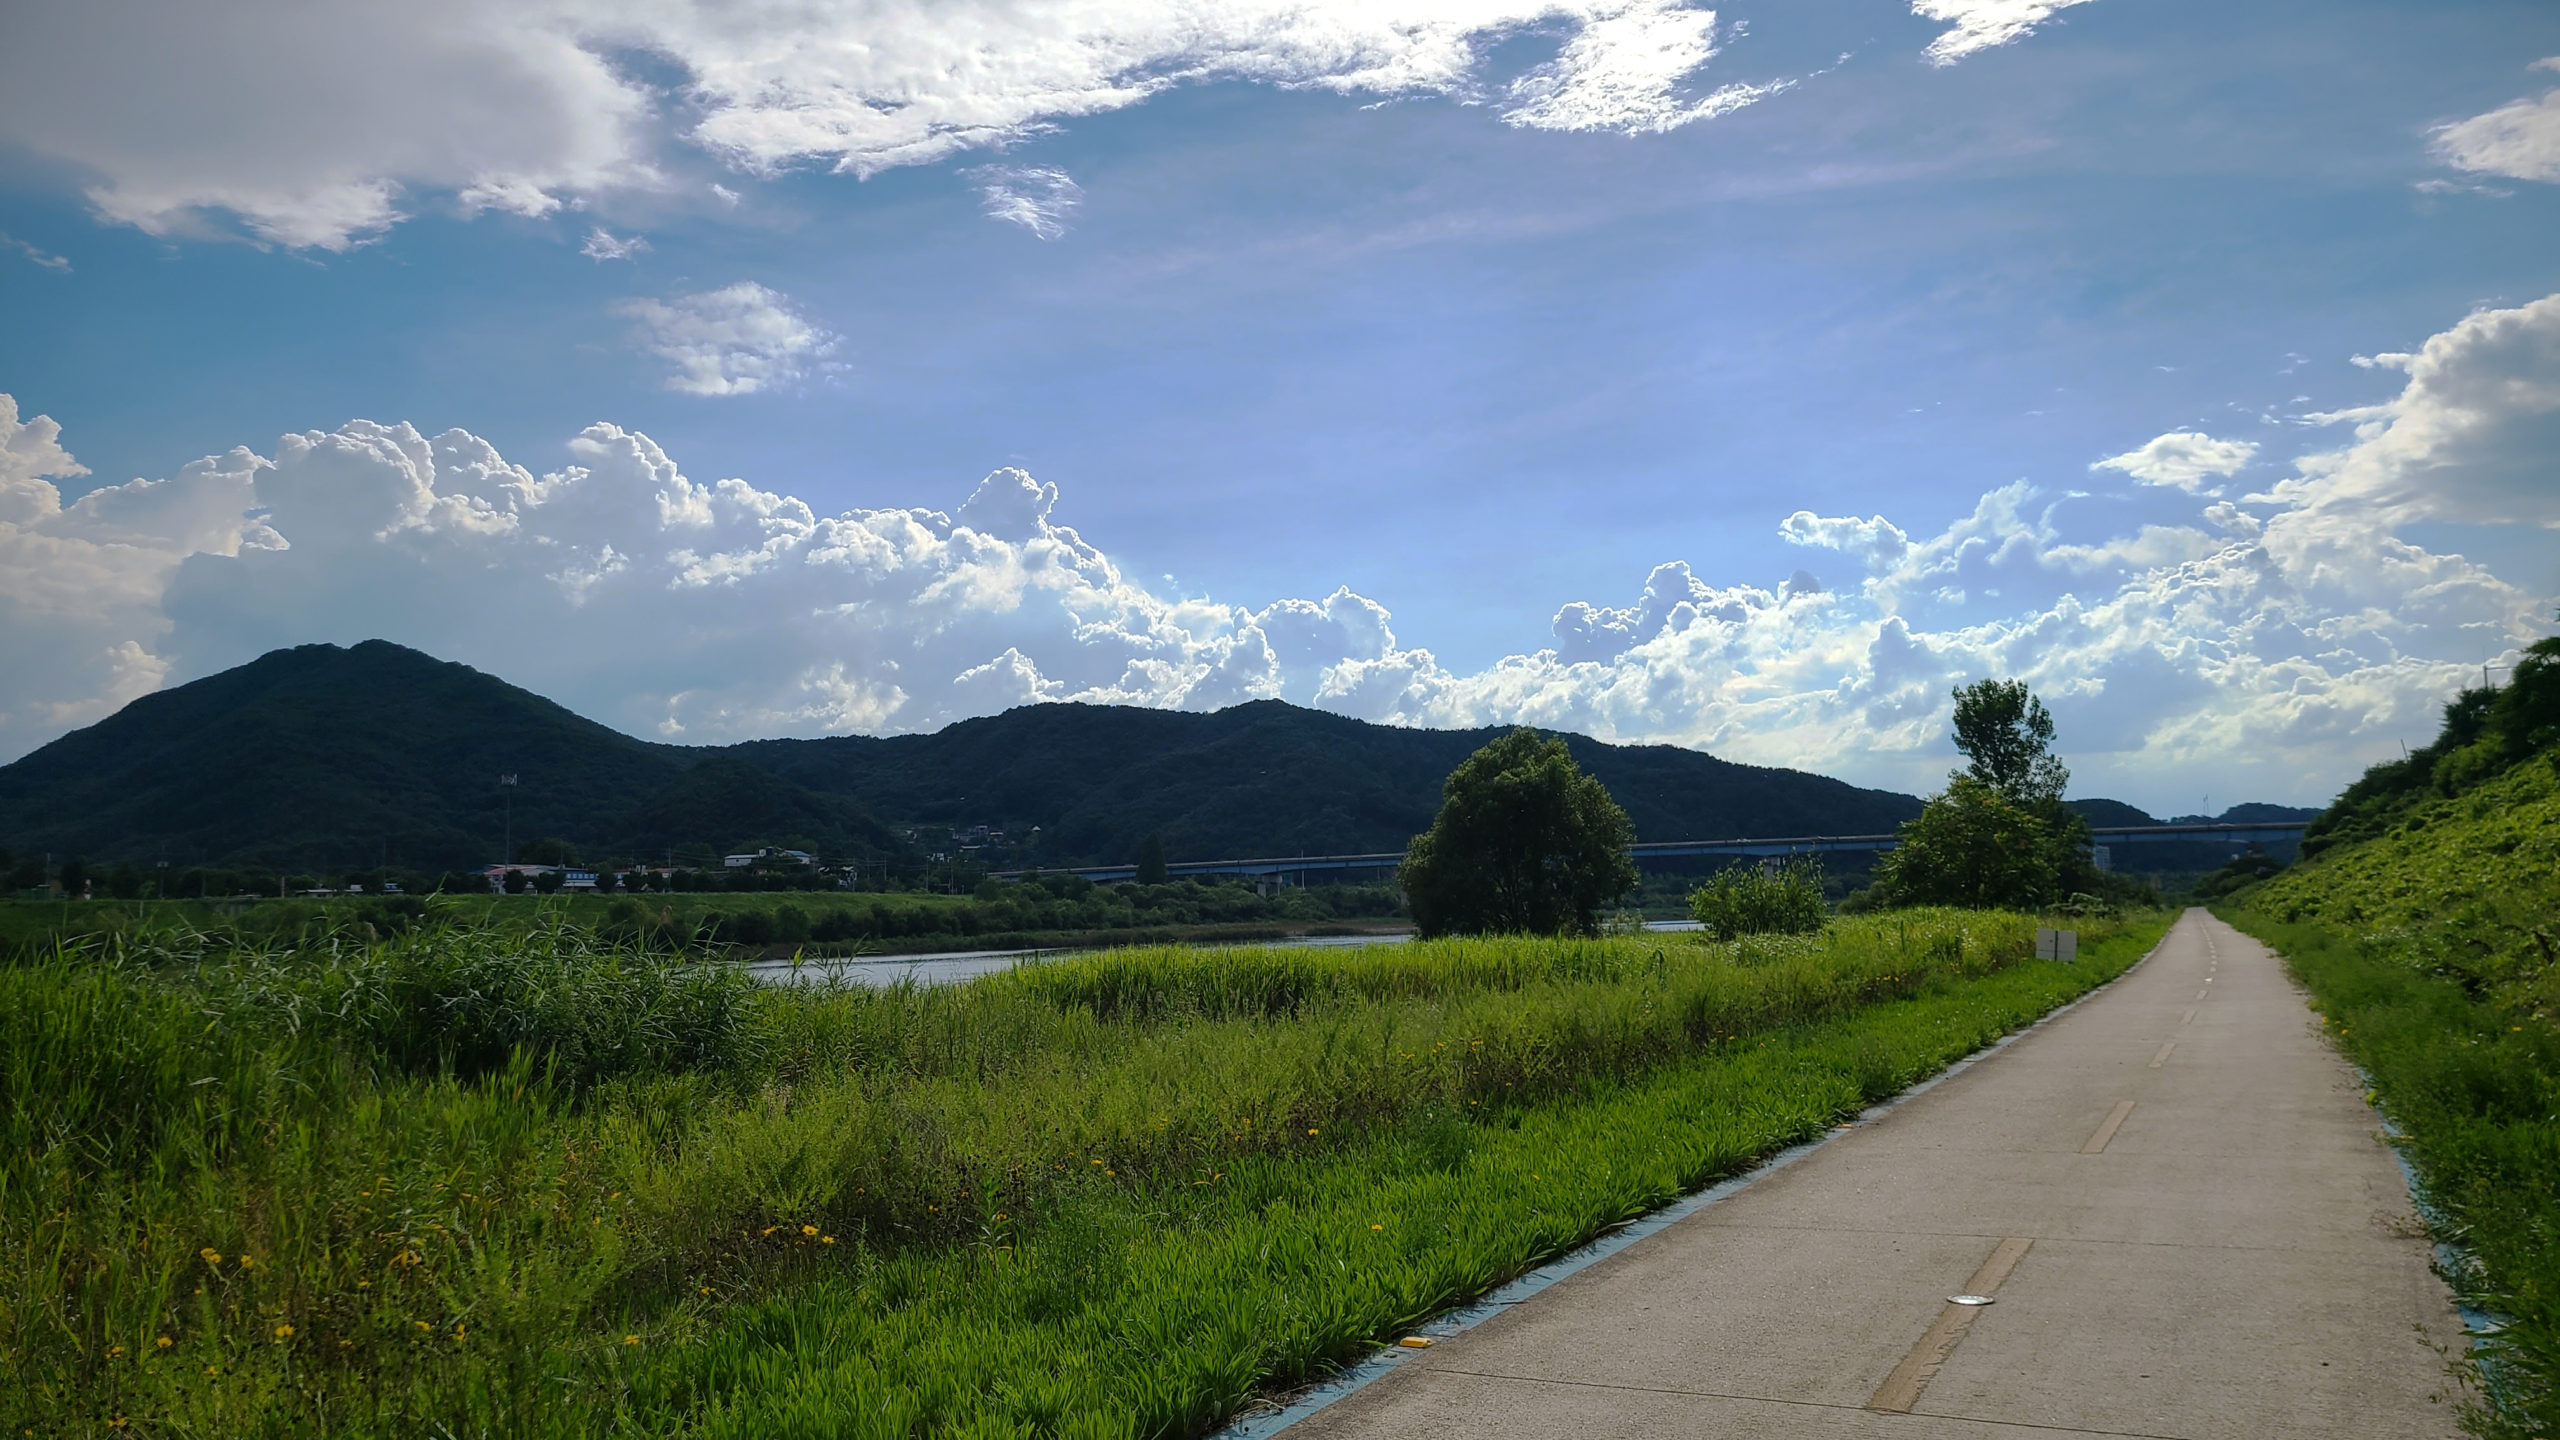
<point x="571" y="877"/>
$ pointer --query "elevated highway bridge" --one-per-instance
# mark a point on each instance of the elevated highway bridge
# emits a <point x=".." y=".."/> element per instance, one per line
<point x="1294" y="869"/>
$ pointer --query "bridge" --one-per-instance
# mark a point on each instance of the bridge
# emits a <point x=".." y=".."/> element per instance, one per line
<point x="1289" y="869"/>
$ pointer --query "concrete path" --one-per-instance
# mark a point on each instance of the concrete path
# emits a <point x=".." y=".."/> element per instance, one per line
<point x="2174" y="1193"/>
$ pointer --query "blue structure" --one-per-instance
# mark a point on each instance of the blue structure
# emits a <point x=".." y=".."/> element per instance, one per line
<point x="1293" y="869"/>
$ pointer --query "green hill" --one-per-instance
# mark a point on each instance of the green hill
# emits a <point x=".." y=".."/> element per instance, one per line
<point x="322" y="757"/>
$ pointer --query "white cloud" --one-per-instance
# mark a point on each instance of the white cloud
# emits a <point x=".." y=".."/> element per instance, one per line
<point x="1624" y="71"/>
<point x="2520" y="139"/>
<point x="312" y="124"/>
<point x="1035" y="197"/>
<point x="2267" y="654"/>
<point x="2183" y="460"/>
<point x="325" y="127"/>
<point x="82" y="620"/>
<point x="736" y="340"/>
<point x="1976" y="25"/>
<point x="603" y="244"/>
<point x="45" y="258"/>
<point x="2472" y="436"/>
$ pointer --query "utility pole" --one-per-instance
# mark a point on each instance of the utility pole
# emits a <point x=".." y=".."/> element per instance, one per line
<point x="507" y="783"/>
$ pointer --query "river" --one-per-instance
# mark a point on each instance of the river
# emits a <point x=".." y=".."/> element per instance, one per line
<point x="952" y="967"/>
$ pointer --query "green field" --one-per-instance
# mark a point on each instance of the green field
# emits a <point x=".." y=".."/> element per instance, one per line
<point x="2430" y="948"/>
<point x="1064" y="913"/>
<point x="484" y="1182"/>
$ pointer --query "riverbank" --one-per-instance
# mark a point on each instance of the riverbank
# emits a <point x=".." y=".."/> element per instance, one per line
<point x="453" y="1180"/>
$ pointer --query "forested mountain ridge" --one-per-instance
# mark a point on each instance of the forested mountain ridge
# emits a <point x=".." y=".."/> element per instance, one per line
<point x="345" y="757"/>
<point x="1270" y="778"/>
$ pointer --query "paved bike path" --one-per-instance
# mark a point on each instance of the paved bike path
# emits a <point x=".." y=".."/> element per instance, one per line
<point x="2174" y="1195"/>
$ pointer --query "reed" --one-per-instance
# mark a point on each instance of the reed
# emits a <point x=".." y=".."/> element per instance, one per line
<point x="533" y="1184"/>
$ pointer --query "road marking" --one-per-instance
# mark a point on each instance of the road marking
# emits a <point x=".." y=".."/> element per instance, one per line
<point x="2189" y="1017"/>
<point x="2155" y="1064"/>
<point x="1901" y="1389"/>
<point x="2097" y="1143"/>
<point x="2202" y="993"/>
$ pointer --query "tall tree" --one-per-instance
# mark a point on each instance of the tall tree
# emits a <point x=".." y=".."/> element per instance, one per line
<point x="2007" y="736"/>
<point x="1151" y="861"/>
<point x="1525" y="843"/>
<point x="2000" y="834"/>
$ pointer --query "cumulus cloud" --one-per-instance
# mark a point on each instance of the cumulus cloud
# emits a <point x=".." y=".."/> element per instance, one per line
<point x="2267" y="645"/>
<point x="1035" y="197"/>
<point x="2472" y="436"/>
<point x="2183" y="460"/>
<point x="1976" y="25"/>
<point x="323" y="128"/>
<point x="82" y="586"/>
<point x="2520" y="139"/>
<point x="603" y="244"/>
<point x="736" y="340"/>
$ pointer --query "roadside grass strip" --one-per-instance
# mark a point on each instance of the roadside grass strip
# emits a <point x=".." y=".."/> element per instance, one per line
<point x="2432" y="951"/>
<point x="558" y="1188"/>
<point x="2472" y="1090"/>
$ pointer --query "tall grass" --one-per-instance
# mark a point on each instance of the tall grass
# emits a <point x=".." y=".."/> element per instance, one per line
<point x="444" y="1183"/>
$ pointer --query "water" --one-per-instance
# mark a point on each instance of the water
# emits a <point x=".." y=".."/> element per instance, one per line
<point x="953" y="967"/>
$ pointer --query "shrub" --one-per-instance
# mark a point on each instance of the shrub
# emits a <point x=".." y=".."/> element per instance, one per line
<point x="790" y="924"/>
<point x="1752" y="900"/>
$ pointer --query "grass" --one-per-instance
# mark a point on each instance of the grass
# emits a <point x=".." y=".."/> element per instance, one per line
<point x="445" y="1183"/>
<point x="770" y="922"/>
<point x="2429" y="949"/>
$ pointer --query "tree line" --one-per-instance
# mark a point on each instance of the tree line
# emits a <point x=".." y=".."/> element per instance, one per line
<point x="1526" y="843"/>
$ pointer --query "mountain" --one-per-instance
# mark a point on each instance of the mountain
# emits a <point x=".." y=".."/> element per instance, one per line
<point x="322" y="757"/>
<point x="2111" y="812"/>
<point x="2159" y="856"/>
<point x="1270" y="778"/>
<point x="2116" y="812"/>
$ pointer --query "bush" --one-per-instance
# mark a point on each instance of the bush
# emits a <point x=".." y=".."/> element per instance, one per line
<point x="1751" y="900"/>
<point x="1977" y="848"/>
<point x="790" y="925"/>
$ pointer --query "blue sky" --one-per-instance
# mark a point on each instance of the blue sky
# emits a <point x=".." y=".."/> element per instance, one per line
<point x="1378" y="359"/>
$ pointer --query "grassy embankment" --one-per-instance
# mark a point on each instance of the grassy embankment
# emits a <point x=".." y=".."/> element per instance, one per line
<point x="818" y="923"/>
<point x="2429" y="950"/>
<point x="459" y="1183"/>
